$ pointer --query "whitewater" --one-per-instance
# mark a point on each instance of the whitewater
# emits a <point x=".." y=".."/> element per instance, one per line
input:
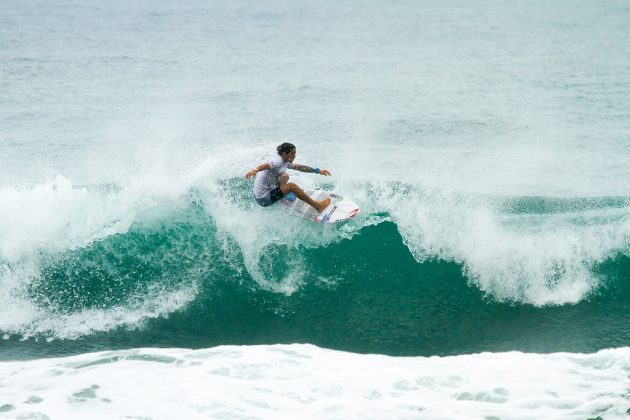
<point x="485" y="277"/>
<point x="281" y="381"/>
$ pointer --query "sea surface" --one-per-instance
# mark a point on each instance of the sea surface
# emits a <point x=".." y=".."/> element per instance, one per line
<point x="487" y="275"/>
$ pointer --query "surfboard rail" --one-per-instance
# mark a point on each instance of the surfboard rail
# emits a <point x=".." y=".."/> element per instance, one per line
<point x="340" y="208"/>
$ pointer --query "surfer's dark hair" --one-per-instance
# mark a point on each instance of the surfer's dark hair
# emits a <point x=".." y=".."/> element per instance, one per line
<point x="285" y="148"/>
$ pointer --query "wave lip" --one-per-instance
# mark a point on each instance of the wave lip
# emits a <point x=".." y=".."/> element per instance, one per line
<point x="289" y="381"/>
<point x="514" y="250"/>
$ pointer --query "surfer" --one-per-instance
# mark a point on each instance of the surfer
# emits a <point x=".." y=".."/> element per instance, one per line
<point x="272" y="181"/>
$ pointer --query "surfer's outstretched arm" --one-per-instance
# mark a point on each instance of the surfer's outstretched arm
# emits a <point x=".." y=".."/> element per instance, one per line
<point x="304" y="168"/>
<point x="265" y="166"/>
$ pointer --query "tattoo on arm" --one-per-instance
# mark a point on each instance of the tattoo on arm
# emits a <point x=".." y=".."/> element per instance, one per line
<point x="303" y="168"/>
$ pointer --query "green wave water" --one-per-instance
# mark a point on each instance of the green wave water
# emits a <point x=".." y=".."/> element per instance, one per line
<point x="364" y="292"/>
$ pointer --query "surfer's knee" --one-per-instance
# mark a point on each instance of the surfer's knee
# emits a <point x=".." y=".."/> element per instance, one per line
<point x="292" y="187"/>
<point x="283" y="178"/>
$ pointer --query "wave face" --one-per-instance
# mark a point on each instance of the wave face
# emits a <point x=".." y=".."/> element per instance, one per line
<point x="418" y="272"/>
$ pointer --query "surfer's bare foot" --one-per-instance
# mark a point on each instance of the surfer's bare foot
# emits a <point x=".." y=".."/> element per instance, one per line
<point x="323" y="204"/>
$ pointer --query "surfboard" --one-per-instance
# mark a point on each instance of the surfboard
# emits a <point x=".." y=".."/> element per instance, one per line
<point x="339" y="209"/>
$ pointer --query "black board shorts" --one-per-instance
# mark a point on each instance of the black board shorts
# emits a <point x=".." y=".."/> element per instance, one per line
<point x="273" y="196"/>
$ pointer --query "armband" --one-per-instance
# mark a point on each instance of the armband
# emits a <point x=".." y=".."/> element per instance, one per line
<point x="316" y="170"/>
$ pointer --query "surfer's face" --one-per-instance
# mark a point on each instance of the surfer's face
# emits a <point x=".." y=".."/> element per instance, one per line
<point x="288" y="157"/>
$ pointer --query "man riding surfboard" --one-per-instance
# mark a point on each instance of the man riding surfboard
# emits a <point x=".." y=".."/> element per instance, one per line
<point x="272" y="181"/>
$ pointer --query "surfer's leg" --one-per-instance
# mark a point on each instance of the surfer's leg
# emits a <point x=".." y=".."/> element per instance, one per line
<point x="288" y="187"/>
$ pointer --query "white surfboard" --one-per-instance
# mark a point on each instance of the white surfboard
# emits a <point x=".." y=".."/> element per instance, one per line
<point x="339" y="209"/>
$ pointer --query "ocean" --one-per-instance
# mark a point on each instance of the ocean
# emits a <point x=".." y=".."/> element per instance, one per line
<point x="487" y="275"/>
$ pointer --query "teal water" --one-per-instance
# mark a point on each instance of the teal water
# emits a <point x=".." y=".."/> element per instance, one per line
<point x="487" y="145"/>
<point x="364" y="294"/>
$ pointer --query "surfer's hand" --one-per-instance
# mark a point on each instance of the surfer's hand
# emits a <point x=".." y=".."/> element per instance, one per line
<point x="251" y="173"/>
<point x="324" y="172"/>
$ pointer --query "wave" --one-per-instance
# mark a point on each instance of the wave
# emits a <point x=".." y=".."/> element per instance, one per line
<point x="78" y="260"/>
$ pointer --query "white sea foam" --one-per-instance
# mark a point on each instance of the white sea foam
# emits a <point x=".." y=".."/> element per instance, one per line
<point x="21" y="316"/>
<point x="304" y="381"/>
<point x="533" y="258"/>
<point x="42" y="221"/>
<point x="55" y="216"/>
